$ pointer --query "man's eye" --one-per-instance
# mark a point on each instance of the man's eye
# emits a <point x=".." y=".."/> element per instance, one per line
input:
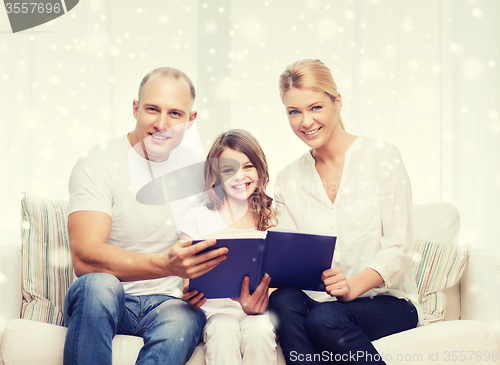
<point x="152" y="109"/>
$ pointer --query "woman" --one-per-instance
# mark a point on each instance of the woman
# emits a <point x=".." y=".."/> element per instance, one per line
<point x="357" y="189"/>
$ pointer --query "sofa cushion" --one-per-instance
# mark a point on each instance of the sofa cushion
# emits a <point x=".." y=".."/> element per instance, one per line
<point x="453" y="302"/>
<point x="436" y="267"/>
<point x="436" y="222"/>
<point x="452" y="342"/>
<point x="438" y="260"/>
<point x="29" y="342"/>
<point x="47" y="270"/>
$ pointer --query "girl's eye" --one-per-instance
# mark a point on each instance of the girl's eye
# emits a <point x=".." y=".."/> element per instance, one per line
<point x="293" y="112"/>
<point x="248" y="167"/>
<point x="227" y="171"/>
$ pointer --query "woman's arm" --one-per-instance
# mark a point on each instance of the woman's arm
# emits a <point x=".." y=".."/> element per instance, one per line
<point x="396" y="215"/>
<point x="392" y="257"/>
<point x="337" y="285"/>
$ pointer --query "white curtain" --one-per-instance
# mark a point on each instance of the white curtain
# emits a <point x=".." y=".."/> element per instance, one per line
<point x="423" y="75"/>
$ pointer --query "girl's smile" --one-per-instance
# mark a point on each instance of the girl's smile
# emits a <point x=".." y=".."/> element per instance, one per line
<point x="238" y="173"/>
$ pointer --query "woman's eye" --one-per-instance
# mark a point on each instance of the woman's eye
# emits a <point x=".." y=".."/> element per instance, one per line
<point x="227" y="171"/>
<point x="316" y="108"/>
<point x="293" y="112"/>
<point x="248" y="167"/>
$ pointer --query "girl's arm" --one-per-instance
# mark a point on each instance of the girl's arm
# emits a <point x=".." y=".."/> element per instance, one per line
<point x="257" y="302"/>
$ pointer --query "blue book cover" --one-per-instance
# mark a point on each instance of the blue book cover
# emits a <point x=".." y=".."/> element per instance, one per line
<point x="290" y="258"/>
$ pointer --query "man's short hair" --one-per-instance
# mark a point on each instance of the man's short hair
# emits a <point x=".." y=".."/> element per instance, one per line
<point x="167" y="72"/>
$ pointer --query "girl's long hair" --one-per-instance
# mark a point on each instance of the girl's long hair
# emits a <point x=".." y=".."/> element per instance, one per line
<point x="241" y="141"/>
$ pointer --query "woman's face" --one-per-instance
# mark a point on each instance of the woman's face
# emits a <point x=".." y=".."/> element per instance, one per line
<point x="239" y="175"/>
<point x="312" y="115"/>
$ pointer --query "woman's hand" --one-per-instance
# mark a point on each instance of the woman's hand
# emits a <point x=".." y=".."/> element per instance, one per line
<point x="336" y="284"/>
<point x="193" y="298"/>
<point x="345" y="290"/>
<point x="258" y="301"/>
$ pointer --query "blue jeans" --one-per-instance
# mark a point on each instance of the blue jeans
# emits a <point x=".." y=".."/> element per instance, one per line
<point x="341" y="332"/>
<point x="97" y="308"/>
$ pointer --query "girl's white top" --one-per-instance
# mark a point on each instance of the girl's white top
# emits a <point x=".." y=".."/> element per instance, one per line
<point x="201" y="223"/>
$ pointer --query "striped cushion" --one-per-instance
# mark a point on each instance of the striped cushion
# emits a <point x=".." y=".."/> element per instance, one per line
<point x="47" y="270"/>
<point x="436" y="266"/>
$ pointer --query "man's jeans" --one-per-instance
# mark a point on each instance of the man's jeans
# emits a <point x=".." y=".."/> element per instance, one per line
<point x="97" y="308"/>
<point x="321" y="333"/>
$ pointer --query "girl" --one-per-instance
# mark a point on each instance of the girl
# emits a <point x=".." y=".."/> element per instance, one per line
<point x="362" y="195"/>
<point x="236" y="175"/>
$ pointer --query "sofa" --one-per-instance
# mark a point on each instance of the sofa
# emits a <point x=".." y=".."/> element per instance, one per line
<point x="35" y="277"/>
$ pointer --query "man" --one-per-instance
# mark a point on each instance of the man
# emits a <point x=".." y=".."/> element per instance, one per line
<point x="125" y="253"/>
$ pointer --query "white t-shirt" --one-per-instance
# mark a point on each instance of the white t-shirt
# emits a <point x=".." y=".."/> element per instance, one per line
<point x="371" y="214"/>
<point x="200" y="223"/>
<point x="102" y="182"/>
<point x="143" y="171"/>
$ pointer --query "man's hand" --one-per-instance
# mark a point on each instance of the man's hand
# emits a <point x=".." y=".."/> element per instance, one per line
<point x="193" y="298"/>
<point x="336" y="284"/>
<point x="181" y="260"/>
<point x="258" y="301"/>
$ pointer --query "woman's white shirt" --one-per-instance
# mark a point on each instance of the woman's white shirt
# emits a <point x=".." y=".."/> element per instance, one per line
<point x="371" y="215"/>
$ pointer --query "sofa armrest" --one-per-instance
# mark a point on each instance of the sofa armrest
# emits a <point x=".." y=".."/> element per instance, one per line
<point x="479" y="286"/>
<point x="10" y="285"/>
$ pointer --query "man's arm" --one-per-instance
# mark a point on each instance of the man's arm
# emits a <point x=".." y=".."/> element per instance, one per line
<point x="88" y="236"/>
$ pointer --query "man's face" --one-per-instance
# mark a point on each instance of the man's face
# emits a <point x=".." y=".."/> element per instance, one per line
<point x="163" y="115"/>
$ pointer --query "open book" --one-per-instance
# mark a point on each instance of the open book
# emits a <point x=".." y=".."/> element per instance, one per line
<point x="290" y="258"/>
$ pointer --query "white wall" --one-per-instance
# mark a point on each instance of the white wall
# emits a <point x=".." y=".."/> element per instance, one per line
<point x="423" y="75"/>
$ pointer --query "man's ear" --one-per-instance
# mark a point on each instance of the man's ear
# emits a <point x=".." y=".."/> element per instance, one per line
<point x="192" y="117"/>
<point x="135" y="108"/>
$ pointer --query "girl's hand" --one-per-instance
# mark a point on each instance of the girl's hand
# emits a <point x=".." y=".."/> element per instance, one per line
<point x="192" y="298"/>
<point x="258" y="301"/>
<point x="336" y="284"/>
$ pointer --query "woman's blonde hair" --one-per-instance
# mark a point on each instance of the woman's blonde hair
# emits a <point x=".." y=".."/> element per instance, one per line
<point x="309" y="74"/>
<point x="241" y="141"/>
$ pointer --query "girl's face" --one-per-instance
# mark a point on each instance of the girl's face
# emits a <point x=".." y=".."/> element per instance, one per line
<point x="312" y="115"/>
<point x="238" y="173"/>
